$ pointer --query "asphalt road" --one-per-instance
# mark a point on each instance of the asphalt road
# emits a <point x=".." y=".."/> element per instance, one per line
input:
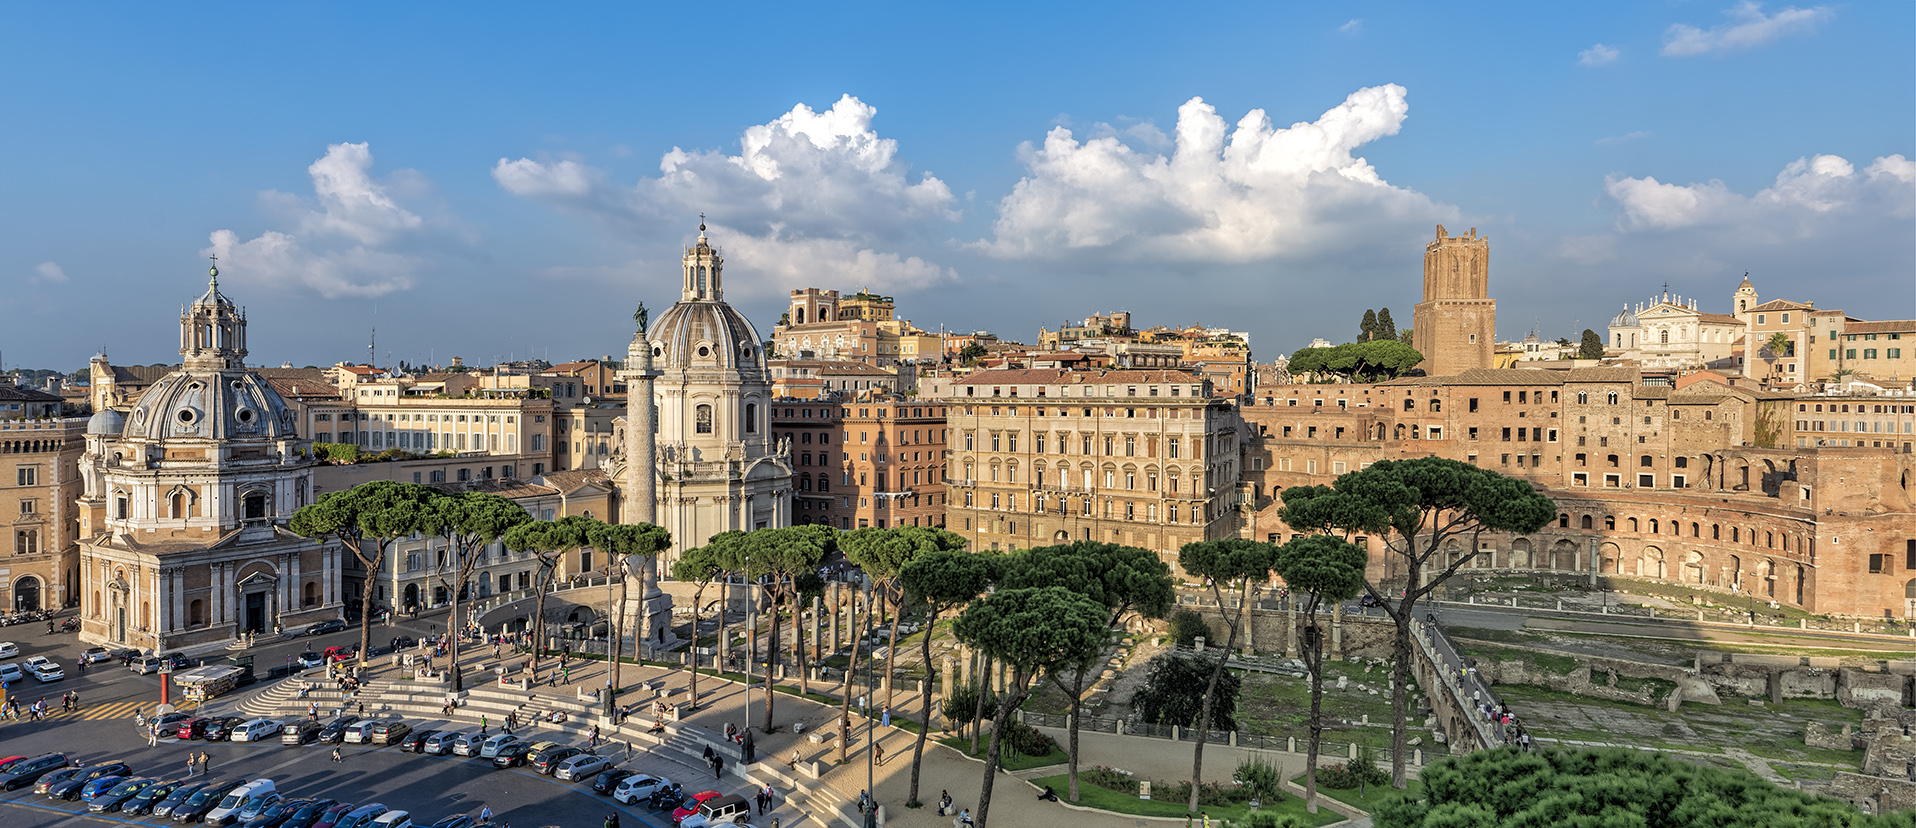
<point x="430" y="787"/>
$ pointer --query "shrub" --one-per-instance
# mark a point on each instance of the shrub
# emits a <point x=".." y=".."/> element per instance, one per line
<point x="960" y="707"/>
<point x="339" y="452"/>
<point x="1260" y="778"/>
<point x="1186" y="626"/>
<point x="1211" y="795"/>
<point x="1264" y="820"/>
<point x="1357" y="772"/>
<point x="1027" y="740"/>
<point x="1173" y="692"/>
<point x="1109" y="779"/>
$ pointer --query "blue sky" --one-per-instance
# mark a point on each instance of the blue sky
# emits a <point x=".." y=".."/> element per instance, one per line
<point x="501" y="180"/>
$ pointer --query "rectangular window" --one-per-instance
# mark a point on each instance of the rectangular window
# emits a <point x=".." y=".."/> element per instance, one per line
<point x="1646" y="481"/>
<point x="27" y="475"/>
<point x="1878" y="564"/>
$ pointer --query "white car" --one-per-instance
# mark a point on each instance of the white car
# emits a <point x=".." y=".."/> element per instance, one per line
<point x="45" y="669"/>
<point x="9" y="649"/>
<point x="360" y="732"/>
<point x="640" y="786"/>
<point x="492" y="746"/>
<point x="309" y="660"/>
<point x="468" y="744"/>
<point x="257" y="730"/>
<point x="582" y="766"/>
<point x="11" y="672"/>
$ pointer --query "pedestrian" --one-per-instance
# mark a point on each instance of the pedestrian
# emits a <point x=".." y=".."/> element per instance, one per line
<point x="628" y="748"/>
<point x="482" y="724"/>
<point x="362" y="710"/>
<point x="153" y="737"/>
<point x="192" y="764"/>
<point x="567" y="672"/>
<point x="718" y="766"/>
<point x="337" y="756"/>
<point x="886" y="721"/>
<point x="594" y="740"/>
<point x="878" y="753"/>
<point x="612" y="821"/>
<point x="206" y="762"/>
<point x="793" y="763"/>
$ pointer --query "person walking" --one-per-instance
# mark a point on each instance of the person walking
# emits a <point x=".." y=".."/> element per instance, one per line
<point x="482" y="724"/>
<point x="485" y="813"/>
<point x="206" y="762"/>
<point x="338" y="756"/>
<point x="192" y="764"/>
<point x="878" y="753"/>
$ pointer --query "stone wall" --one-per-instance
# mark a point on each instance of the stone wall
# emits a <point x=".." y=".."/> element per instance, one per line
<point x="1269" y="631"/>
<point x="1874" y="795"/>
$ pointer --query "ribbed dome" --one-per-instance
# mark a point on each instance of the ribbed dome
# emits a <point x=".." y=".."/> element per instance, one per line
<point x="224" y="405"/>
<point x="1626" y="319"/>
<point x="106" y="421"/>
<point x="704" y="334"/>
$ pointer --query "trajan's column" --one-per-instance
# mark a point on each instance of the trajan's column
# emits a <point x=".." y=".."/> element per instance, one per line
<point x="639" y="482"/>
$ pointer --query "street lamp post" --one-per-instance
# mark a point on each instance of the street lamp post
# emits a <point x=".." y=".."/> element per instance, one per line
<point x="871" y="689"/>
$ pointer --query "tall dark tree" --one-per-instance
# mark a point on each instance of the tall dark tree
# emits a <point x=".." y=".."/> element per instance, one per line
<point x="1324" y="570"/>
<point x="1031" y="631"/>
<point x="1229" y="563"/>
<point x="1367" y="329"/>
<point x="937" y="582"/>
<point x="1386" y="327"/>
<point x="1415" y="506"/>
<point x="700" y="567"/>
<point x="1123" y="579"/>
<point x="620" y="542"/>
<point x="366" y="519"/>
<point x="1591" y="347"/>
<point x="469" y="521"/>
<point x="549" y="540"/>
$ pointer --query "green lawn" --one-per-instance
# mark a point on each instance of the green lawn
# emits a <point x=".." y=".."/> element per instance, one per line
<point x="1105" y="799"/>
<point x="1007" y="759"/>
<point x="1370" y="798"/>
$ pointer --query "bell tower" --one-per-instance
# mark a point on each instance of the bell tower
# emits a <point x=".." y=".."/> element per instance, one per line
<point x="1744" y="299"/>
<point x="702" y="267"/>
<point x="213" y="330"/>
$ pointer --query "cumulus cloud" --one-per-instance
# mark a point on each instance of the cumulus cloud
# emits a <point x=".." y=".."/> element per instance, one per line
<point x="1223" y="195"/>
<point x="49" y="273"/>
<point x="353" y="238"/>
<point x="1808" y="193"/>
<point x="813" y="194"/>
<point x="1747" y="28"/>
<point x="1597" y="55"/>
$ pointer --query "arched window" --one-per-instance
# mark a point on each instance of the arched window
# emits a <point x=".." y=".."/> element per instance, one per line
<point x="703" y="416"/>
<point x="179" y="504"/>
<point x="1663" y="337"/>
<point x="195" y="612"/>
<point x="751" y="418"/>
<point x="1586" y="524"/>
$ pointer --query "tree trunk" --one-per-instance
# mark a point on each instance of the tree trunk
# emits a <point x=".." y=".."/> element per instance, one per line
<point x="452" y="624"/>
<point x="845" y="708"/>
<point x="918" y="745"/>
<point x="692" y="702"/>
<point x="1210" y="691"/>
<point x="1314" y="662"/>
<point x="1071" y="732"/>
<point x="891" y="684"/>
<point x="1015" y="697"/>
<point x="618" y="634"/>
<point x="978" y="711"/>
<point x="366" y="604"/>
<point x="539" y="616"/>
<point x="1400" y="671"/>
<point x="772" y="643"/>
<point x="798" y="645"/>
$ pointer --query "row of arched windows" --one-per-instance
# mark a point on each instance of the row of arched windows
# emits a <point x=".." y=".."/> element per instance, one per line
<point x="1770" y="538"/>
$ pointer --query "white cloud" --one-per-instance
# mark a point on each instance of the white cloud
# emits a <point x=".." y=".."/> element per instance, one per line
<point x="1355" y="26"/>
<point x="49" y="273"/>
<point x="354" y="240"/>
<point x="1748" y="28"/>
<point x="1808" y="193"/>
<point x="1253" y="193"/>
<point x="1597" y="55"/>
<point x="816" y="195"/>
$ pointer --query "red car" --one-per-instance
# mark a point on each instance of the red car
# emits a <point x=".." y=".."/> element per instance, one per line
<point x="334" y="814"/>
<point x="691" y="806"/>
<point x="193" y="728"/>
<point x="8" y="763"/>
<point x="341" y="652"/>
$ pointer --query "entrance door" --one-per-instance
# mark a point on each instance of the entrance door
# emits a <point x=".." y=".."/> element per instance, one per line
<point x="26" y="594"/>
<point x="119" y="624"/>
<point x="256" y="612"/>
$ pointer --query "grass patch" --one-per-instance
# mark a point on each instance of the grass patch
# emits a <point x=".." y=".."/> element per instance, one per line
<point x="1561" y="665"/>
<point x="1007" y="759"/>
<point x="1659" y="688"/>
<point x="1105" y="799"/>
<point x="1371" y="797"/>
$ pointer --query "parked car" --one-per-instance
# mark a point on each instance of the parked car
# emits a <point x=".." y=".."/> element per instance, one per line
<point x="416" y="740"/>
<point x="390" y="733"/>
<point x="360" y="732"/>
<point x="441" y="743"/>
<point x="468" y="744"/>
<point x="333" y="815"/>
<point x="25" y="773"/>
<point x="11" y="672"/>
<point x="178" y="660"/>
<point x="112" y="798"/>
<point x="144" y="665"/>
<point x="338" y="652"/>
<point x="309" y="659"/>
<point x="392" y="819"/>
<point x="308" y="814"/>
<point x="639" y="786"/>
<point x="547" y="762"/>
<point x="221" y="729"/>
<point x="362" y="817"/>
<point x="538" y="749"/>
<point x="168" y="723"/>
<point x="721" y="810"/>
<point x="173" y="800"/>
<point x="511" y="756"/>
<point x="194" y="728"/>
<point x="691" y="805"/>
<point x="96" y="655"/>
<point x="401" y="642"/>
<point x="99" y="786"/>
<point x="206" y="799"/>
<point x="230" y="806"/>
<point x="299" y="732"/>
<point x="608" y="780"/>
<point x="56" y="778"/>
<point x="456" y="821"/>
<point x="70" y="787"/>
<point x="580" y="767"/>
<point x="325" y="627"/>
<point x="256" y="805"/>
<point x="490" y="747"/>
<point x="335" y="731"/>
<point x="9" y="649"/>
<point x="44" y="669"/>
<point x="149" y="796"/>
<point x="273" y="814"/>
<point x="256" y="730"/>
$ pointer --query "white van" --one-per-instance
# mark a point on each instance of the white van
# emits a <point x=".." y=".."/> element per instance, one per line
<point x="393" y="819"/>
<point x="229" y="807"/>
<point x="490" y="747"/>
<point x="256" y="730"/>
<point x="360" y="732"/>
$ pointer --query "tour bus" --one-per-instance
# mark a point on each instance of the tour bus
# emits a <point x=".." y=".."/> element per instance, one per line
<point x="201" y="683"/>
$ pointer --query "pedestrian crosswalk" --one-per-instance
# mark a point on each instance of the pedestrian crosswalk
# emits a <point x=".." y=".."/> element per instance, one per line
<point x="111" y="710"/>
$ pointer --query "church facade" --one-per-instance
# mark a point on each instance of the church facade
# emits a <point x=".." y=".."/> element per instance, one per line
<point x="185" y="502"/>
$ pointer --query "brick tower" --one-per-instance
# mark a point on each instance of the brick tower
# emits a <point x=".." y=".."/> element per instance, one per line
<point x="1456" y="324"/>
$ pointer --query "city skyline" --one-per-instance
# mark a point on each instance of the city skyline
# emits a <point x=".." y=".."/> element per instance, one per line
<point x="533" y="172"/>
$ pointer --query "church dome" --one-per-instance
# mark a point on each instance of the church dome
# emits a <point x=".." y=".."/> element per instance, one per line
<point x="692" y="335"/>
<point x="224" y="405"/>
<point x="107" y="422"/>
<point x="1626" y="319"/>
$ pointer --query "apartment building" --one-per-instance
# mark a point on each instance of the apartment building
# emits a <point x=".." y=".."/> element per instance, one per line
<point x="1139" y="457"/>
<point x="39" y="486"/>
<point x="869" y="462"/>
